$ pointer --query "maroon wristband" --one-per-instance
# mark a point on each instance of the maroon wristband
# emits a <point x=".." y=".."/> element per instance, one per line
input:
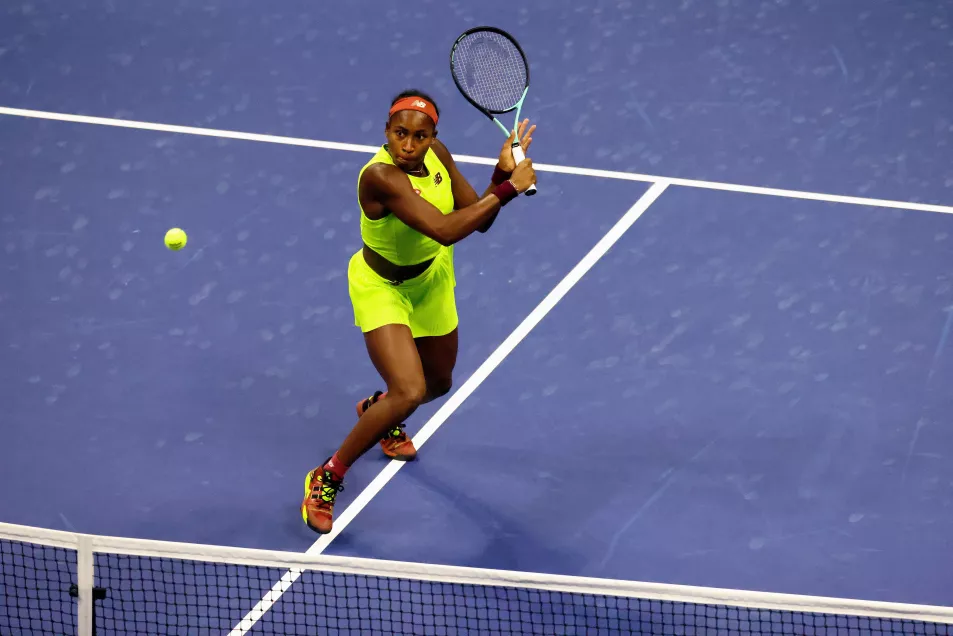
<point x="505" y="192"/>
<point x="499" y="175"/>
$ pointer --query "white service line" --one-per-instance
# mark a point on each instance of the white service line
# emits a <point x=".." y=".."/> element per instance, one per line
<point x="457" y="398"/>
<point x="540" y="167"/>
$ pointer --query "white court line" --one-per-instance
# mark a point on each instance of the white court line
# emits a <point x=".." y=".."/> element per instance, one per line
<point x="457" y="398"/>
<point x="541" y="167"/>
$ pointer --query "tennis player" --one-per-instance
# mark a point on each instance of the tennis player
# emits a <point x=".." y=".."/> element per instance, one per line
<point x="415" y="205"/>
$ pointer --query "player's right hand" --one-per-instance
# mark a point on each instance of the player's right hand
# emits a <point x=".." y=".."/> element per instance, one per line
<point x="506" y="161"/>
<point x="523" y="176"/>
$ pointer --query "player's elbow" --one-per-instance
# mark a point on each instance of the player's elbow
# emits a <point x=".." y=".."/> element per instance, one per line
<point x="446" y="241"/>
<point x="444" y="235"/>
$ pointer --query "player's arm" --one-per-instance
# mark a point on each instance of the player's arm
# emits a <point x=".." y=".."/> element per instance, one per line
<point x="389" y="186"/>
<point x="463" y="193"/>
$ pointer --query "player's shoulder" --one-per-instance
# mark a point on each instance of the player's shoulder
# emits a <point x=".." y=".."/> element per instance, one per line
<point x="441" y="151"/>
<point x="383" y="179"/>
<point x="380" y="172"/>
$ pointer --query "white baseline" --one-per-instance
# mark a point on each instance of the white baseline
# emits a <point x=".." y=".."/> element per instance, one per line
<point x="541" y="167"/>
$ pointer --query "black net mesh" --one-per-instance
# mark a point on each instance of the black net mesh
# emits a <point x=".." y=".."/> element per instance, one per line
<point x="35" y="583"/>
<point x="159" y="595"/>
<point x="167" y="596"/>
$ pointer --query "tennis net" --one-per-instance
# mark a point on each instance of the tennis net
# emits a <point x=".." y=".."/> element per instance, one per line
<point x="54" y="582"/>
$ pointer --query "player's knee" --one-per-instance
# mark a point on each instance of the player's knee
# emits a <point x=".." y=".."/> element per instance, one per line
<point x="409" y="393"/>
<point x="439" y="387"/>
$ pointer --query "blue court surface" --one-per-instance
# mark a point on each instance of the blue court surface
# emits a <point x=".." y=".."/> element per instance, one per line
<point x="749" y="389"/>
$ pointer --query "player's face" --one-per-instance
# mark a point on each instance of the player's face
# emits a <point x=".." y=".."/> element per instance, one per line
<point x="410" y="134"/>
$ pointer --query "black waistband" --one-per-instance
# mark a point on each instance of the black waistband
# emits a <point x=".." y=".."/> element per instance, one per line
<point x="394" y="274"/>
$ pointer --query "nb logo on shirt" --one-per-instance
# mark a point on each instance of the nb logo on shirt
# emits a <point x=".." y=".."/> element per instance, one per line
<point x="437" y="179"/>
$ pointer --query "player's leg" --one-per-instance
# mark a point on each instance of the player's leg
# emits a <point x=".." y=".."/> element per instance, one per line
<point x="435" y="323"/>
<point x="393" y="352"/>
<point x="434" y="326"/>
<point x="438" y="356"/>
<point x="383" y="314"/>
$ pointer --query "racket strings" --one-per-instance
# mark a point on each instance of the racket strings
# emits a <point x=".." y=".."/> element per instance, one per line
<point x="491" y="70"/>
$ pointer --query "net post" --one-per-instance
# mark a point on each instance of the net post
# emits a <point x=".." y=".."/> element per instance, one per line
<point x="84" y="586"/>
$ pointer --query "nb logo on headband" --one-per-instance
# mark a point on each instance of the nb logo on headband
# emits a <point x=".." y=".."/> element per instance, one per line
<point x="420" y="104"/>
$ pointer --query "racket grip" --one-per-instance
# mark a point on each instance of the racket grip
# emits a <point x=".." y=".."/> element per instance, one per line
<point x="518" y="156"/>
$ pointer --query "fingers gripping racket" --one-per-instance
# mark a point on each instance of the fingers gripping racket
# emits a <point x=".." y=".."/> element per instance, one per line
<point x="490" y="70"/>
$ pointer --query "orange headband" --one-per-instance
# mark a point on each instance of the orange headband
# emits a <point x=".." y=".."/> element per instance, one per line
<point x="415" y="103"/>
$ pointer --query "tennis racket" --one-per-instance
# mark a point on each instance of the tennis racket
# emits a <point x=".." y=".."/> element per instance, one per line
<point x="490" y="70"/>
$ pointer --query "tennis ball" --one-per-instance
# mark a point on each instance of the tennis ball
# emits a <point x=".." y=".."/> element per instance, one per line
<point x="175" y="239"/>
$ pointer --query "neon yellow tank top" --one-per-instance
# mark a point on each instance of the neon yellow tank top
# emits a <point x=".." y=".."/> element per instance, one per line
<point x="392" y="238"/>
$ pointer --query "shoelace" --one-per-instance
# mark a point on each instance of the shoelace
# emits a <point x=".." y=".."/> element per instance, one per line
<point x="397" y="433"/>
<point x="330" y="487"/>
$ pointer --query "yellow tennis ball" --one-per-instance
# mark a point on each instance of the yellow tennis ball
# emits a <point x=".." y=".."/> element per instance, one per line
<point x="175" y="239"/>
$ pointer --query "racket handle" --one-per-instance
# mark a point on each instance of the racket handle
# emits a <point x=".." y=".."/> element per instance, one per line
<point x="518" y="156"/>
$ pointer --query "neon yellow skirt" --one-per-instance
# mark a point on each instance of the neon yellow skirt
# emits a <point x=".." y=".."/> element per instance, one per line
<point x="426" y="303"/>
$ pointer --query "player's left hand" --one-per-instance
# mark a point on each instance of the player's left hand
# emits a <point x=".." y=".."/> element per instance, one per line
<point x="506" y="160"/>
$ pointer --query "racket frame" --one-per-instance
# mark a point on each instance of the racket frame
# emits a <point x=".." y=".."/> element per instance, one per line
<point x="517" y="148"/>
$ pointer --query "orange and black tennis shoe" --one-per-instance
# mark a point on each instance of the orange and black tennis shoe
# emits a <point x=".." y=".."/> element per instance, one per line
<point x="321" y="487"/>
<point x="395" y="442"/>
